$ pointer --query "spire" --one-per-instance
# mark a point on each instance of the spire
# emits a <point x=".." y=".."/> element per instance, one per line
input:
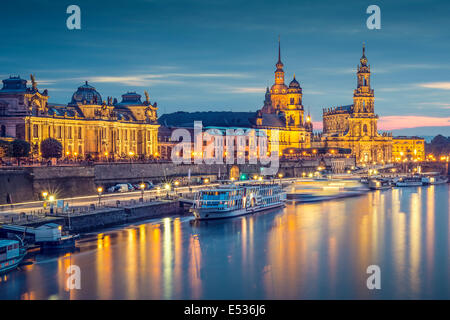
<point x="363" y="59"/>
<point x="279" y="64"/>
<point x="279" y="49"/>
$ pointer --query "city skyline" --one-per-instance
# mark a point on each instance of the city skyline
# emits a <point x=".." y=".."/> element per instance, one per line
<point x="228" y="65"/>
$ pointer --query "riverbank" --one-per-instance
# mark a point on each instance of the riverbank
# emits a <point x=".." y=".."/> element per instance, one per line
<point x="103" y="217"/>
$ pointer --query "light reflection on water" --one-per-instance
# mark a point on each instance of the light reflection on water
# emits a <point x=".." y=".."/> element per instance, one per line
<point x="319" y="250"/>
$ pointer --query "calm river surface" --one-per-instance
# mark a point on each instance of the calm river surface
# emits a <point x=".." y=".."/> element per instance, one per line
<point x="304" y="251"/>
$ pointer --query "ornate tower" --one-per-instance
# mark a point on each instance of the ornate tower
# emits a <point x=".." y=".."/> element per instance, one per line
<point x="279" y="90"/>
<point x="294" y="112"/>
<point x="363" y="96"/>
<point x="363" y="121"/>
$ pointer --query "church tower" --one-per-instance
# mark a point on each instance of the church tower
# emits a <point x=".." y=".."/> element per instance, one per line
<point x="363" y="122"/>
<point x="278" y="92"/>
<point x="363" y="96"/>
<point x="294" y="112"/>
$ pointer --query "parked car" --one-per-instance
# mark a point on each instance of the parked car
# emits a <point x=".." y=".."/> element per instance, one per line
<point x="122" y="187"/>
<point x="130" y="187"/>
<point x="149" y="184"/>
<point x="112" y="189"/>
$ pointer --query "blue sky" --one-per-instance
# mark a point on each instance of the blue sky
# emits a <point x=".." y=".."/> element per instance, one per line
<point x="199" y="55"/>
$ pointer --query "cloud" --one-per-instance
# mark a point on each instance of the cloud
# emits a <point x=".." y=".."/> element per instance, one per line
<point x="142" y="80"/>
<point x="436" y="85"/>
<point x="247" y="90"/>
<point x="403" y="122"/>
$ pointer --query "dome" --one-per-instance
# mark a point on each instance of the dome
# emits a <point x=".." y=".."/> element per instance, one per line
<point x="278" y="89"/>
<point x="294" y="84"/>
<point x="86" y="94"/>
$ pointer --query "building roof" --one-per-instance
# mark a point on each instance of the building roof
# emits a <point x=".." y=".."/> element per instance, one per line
<point x="208" y="119"/>
<point x="86" y="94"/>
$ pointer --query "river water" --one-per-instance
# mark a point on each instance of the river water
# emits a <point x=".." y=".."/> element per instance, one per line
<point x="303" y="251"/>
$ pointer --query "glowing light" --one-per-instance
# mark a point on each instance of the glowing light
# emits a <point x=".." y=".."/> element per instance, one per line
<point x="99" y="189"/>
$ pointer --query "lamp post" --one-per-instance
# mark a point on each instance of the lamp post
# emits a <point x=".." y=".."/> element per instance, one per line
<point x="44" y="195"/>
<point x="142" y="187"/>
<point x="176" y="183"/>
<point x="51" y="198"/>
<point x="99" y="191"/>
<point x="280" y="175"/>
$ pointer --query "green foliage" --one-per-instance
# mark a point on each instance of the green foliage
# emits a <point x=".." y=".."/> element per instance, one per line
<point x="51" y="148"/>
<point x="440" y="145"/>
<point x="5" y="147"/>
<point x="19" y="149"/>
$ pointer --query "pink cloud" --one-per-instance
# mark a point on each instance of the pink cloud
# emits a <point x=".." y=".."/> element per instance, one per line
<point x="403" y="122"/>
<point x="317" y="125"/>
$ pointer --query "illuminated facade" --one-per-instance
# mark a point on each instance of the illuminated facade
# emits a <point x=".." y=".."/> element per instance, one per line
<point x="409" y="148"/>
<point x="355" y="126"/>
<point x="283" y="110"/>
<point x="87" y="125"/>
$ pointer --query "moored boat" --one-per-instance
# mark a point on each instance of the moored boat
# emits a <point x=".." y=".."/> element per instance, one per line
<point x="11" y="254"/>
<point x="380" y="184"/>
<point x="438" y="179"/>
<point x="235" y="200"/>
<point x="409" y="182"/>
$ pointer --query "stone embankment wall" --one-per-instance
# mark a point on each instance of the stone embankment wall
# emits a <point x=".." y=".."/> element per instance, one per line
<point x="27" y="184"/>
<point x="108" y="217"/>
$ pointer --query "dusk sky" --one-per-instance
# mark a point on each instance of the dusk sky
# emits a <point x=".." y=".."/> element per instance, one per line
<point x="218" y="55"/>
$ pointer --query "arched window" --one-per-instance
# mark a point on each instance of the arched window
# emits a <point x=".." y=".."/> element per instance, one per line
<point x="365" y="129"/>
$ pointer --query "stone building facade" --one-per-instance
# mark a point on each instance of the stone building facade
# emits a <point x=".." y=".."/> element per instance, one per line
<point x="86" y="125"/>
<point x="355" y="126"/>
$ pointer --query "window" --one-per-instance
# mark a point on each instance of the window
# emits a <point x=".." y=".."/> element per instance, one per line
<point x="69" y="132"/>
<point x="35" y="131"/>
<point x="79" y="133"/>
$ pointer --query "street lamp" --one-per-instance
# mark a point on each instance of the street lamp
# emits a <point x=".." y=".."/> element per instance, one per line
<point x="51" y="198"/>
<point x="99" y="191"/>
<point x="280" y="175"/>
<point x="44" y="196"/>
<point x="142" y="187"/>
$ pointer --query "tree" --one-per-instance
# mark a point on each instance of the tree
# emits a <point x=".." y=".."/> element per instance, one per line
<point x="5" y="147"/>
<point x="51" y="148"/>
<point x="19" y="149"/>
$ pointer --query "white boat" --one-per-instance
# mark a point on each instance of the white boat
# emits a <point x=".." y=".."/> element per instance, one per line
<point x="11" y="254"/>
<point x="409" y="182"/>
<point x="434" y="180"/>
<point x="236" y="200"/>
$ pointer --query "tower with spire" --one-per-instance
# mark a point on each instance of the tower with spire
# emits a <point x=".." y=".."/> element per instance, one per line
<point x="363" y="96"/>
<point x="283" y="109"/>
<point x="355" y="126"/>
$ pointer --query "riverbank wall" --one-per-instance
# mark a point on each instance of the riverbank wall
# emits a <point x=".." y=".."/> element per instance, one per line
<point x="110" y="216"/>
<point x="25" y="184"/>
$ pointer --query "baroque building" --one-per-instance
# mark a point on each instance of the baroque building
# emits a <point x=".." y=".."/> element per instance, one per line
<point x="355" y="126"/>
<point x="87" y="125"/>
<point x="283" y="110"/>
<point x="408" y="148"/>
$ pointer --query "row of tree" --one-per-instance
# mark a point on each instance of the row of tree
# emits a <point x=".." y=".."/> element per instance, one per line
<point x="18" y="149"/>
<point x="439" y="146"/>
